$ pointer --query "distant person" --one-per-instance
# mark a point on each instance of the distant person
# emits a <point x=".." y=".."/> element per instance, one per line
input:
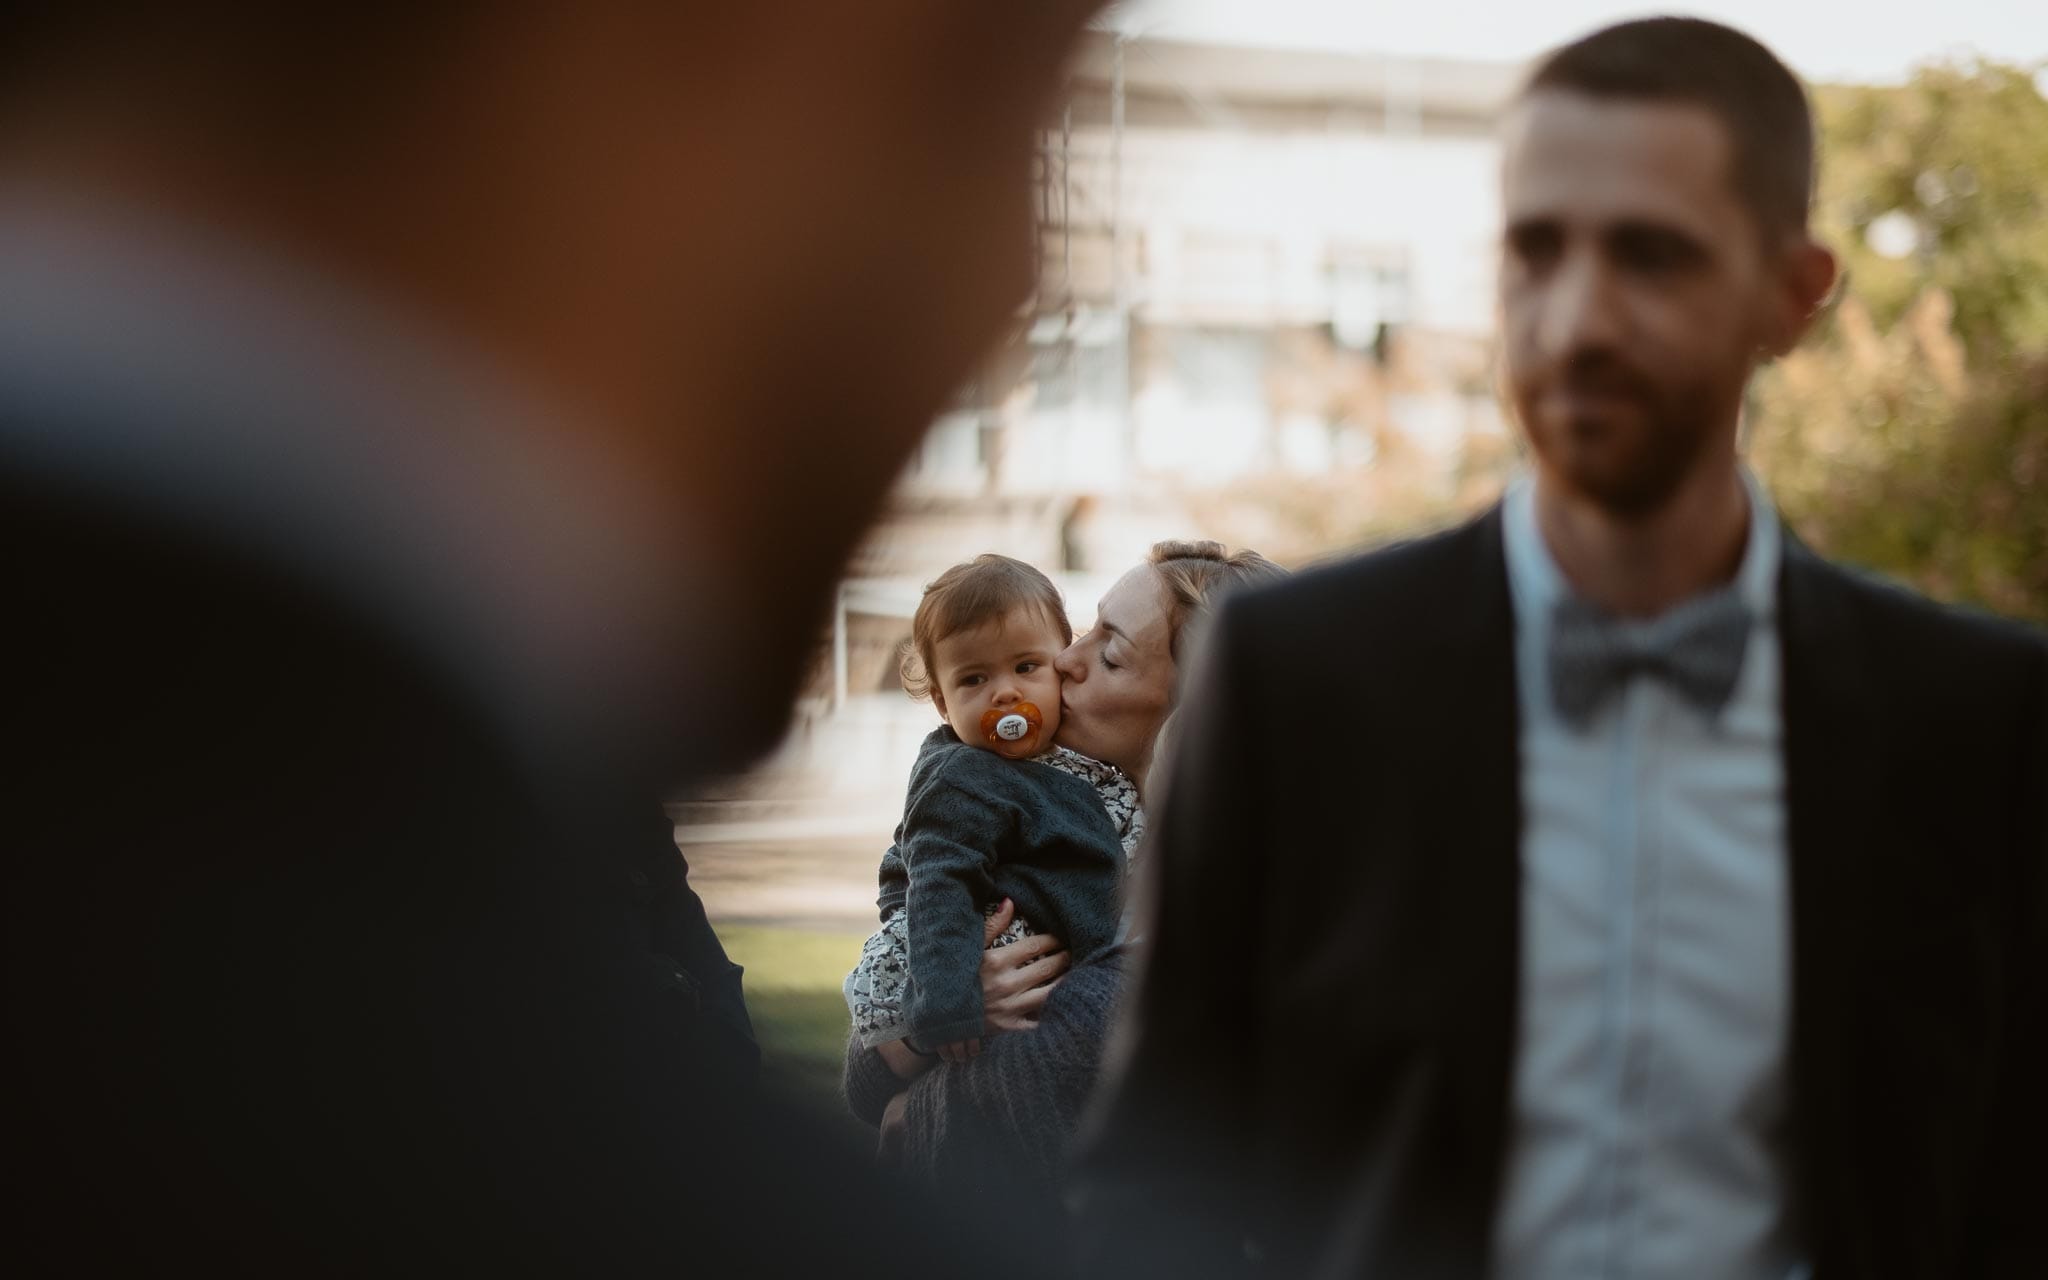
<point x="998" y="1125"/>
<point x="1076" y="533"/>
<point x="428" y="435"/>
<point x="1610" y="886"/>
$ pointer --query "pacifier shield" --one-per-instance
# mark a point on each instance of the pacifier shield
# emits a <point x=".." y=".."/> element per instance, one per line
<point x="1009" y="727"/>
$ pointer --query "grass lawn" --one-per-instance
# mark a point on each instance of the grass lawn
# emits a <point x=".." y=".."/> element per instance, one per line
<point x="792" y="986"/>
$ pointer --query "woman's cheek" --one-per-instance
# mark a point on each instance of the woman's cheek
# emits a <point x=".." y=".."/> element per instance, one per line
<point x="1081" y="698"/>
<point x="1072" y="698"/>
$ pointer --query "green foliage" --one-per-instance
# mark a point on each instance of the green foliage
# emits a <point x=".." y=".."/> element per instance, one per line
<point x="789" y="959"/>
<point x="792" y="986"/>
<point x="1911" y="434"/>
<point x="1959" y="153"/>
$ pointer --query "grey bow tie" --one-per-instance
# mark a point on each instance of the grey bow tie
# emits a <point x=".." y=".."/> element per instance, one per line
<point x="1696" y="648"/>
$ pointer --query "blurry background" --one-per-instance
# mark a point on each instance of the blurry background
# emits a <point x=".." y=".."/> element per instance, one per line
<point x="1266" y="316"/>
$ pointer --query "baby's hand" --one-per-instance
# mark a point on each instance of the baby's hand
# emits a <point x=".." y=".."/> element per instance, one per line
<point x="960" y="1050"/>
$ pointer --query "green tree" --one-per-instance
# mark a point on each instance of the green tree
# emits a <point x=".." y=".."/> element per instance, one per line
<point x="1911" y="434"/>
<point x="1952" y="165"/>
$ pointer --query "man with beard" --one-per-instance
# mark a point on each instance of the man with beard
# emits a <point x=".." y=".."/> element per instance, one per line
<point x="428" y="435"/>
<point x="1610" y="886"/>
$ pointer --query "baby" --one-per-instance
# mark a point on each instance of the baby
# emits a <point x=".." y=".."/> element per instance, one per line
<point x="994" y="811"/>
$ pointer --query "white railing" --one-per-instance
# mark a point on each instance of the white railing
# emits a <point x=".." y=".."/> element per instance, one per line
<point x="898" y="597"/>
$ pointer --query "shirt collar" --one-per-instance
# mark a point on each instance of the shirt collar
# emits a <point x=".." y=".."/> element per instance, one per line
<point x="1536" y="584"/>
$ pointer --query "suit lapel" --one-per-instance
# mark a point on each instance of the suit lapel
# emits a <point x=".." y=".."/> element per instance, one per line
<point x="1484" y="826"/>
<point x="1830" y="766"/>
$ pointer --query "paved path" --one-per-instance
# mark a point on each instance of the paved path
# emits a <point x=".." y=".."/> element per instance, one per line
<point x="822" y="882"/>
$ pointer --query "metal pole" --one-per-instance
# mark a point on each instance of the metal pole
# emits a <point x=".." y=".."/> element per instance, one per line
<point x="1116" y="176"/>
<point x="1066" y="200"/>
<point x="839" y="648"/>
<point x="1119" y="297"/>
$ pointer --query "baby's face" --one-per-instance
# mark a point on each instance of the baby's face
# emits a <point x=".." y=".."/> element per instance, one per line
<point x="986" y="675"/>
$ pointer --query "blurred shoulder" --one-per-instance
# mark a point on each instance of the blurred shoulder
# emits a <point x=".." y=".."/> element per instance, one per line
<point x="1954" y="683"/>
<point x="944" y="760"/>
<point x="940" y="753"/>
<point x="1970" y="644"/>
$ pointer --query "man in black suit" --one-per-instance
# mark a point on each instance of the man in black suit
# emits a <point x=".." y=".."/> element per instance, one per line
<point x="427" y="436"/>
<point x="1610" y="886"/>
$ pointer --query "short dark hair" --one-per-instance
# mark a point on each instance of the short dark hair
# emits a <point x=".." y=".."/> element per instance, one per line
<point x="1701" y="63"/>
<point x="984" y="590"/>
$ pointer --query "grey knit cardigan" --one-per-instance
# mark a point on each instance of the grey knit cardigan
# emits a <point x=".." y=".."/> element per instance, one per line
<point x="1003" y="1124"/>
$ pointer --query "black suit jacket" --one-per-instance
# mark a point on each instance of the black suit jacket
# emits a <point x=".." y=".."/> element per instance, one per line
<point x="1317" y="1069"/>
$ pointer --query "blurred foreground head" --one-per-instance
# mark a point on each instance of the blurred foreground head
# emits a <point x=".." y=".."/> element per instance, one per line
<point x="1656" y="181"/>
<point x="747" y="248"/>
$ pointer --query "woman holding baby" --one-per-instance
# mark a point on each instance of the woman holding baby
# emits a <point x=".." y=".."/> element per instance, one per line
<point x="981" y="1006"/>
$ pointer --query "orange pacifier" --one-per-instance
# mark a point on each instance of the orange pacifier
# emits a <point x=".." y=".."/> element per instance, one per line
<point x="1011" y="731"/>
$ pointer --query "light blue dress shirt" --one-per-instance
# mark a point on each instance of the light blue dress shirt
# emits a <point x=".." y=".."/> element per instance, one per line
<point x="1648" y="1132"/>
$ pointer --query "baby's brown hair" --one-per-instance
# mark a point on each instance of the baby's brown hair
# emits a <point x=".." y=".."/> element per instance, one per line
<point x="973" y="595"/>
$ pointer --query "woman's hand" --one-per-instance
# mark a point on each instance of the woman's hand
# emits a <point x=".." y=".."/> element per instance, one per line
<point x="960" y="1051"/>
<point x="1015" y="980"/>
<point x="906" y="1062"/>
<point x="889" y="1144"/>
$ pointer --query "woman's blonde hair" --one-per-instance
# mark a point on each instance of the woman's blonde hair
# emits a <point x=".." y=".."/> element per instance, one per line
<point x="1196" y="574"/>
